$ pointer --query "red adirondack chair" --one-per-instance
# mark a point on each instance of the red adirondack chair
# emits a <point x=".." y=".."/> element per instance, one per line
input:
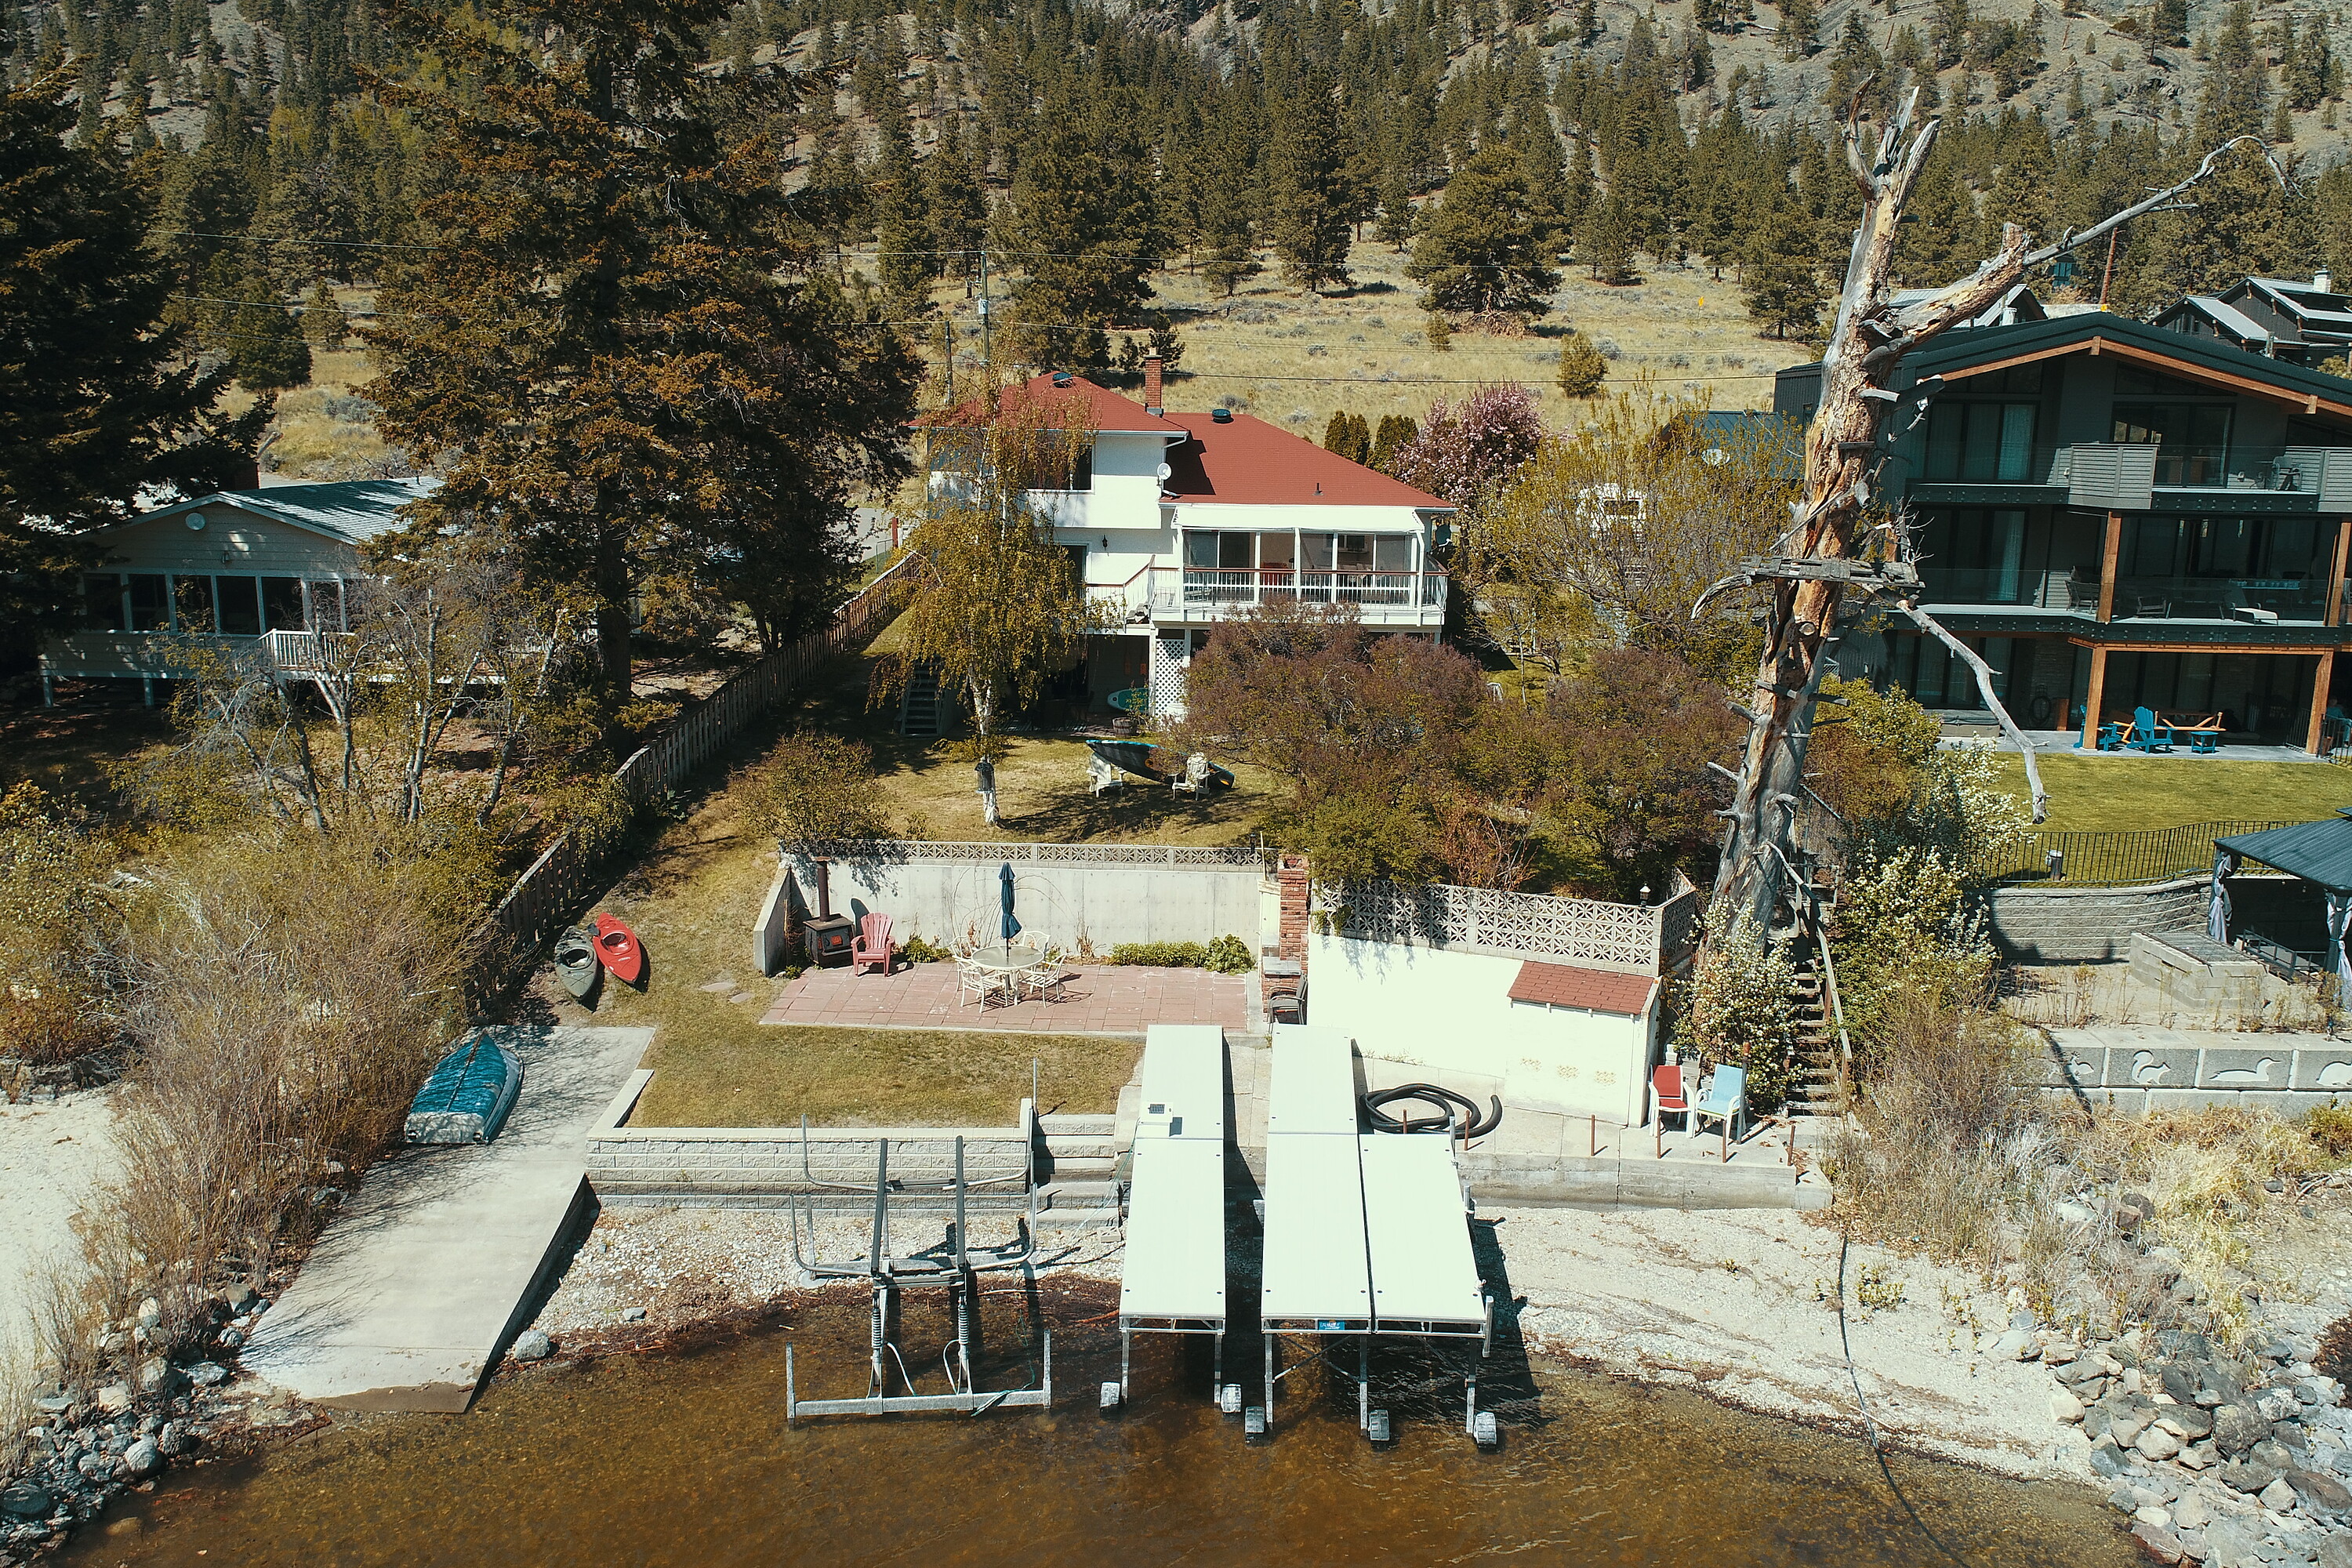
<point x="1666" y="1091"/>
<point x="872" y="948"/>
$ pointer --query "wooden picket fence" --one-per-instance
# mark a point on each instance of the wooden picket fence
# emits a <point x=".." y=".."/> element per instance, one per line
<point x="538" y="904"/>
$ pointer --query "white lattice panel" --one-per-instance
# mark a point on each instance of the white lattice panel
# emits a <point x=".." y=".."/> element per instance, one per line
<point x="1585" y="930"/>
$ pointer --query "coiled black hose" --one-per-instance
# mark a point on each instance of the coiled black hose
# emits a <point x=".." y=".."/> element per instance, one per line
<point x="1431" y="1094"/>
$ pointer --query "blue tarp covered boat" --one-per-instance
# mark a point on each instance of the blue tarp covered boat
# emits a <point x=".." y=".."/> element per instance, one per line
<point x="467" y="1098"/>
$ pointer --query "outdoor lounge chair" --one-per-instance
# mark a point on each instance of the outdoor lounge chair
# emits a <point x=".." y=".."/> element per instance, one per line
<point x="1725" y="1100"/>
<point x="1666" y="1098"/>
<point x="1102" y="775"/>
<point x="873" y="949"/>
<point x="1195" y="779"/>
<point x="2146" y="734"/>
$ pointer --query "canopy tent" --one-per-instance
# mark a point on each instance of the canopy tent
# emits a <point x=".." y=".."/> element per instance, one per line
<point x="2319" y="852"/>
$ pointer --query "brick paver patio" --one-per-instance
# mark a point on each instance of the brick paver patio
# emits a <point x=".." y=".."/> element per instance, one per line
<point x="1123" y="999"/>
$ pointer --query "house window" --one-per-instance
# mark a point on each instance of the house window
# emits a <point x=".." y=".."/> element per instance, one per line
<point x="282" y="604"/>
<point x="2192" y="438"/>
<point x="240" y="606"/>
<point x="191" y="604"/>
<point x="1356" y="552"/>
<point x="327" y="606"/>
<point x="151" y="602"/>
<point x="1986" y="443"/>
<point x="102" y="603"/>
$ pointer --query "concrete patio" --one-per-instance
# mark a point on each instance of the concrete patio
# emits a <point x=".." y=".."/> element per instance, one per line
<point x="1095" y="1000"/>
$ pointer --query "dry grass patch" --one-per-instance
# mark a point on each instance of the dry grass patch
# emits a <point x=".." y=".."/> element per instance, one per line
<point x="877" y="1078"/>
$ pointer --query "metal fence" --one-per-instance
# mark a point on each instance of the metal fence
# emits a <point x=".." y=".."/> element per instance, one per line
<point x="2112" y="859"/>
<point x="543" y="896"/>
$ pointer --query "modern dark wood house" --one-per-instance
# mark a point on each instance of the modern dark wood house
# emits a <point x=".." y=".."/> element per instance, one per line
<point x="2119" y="516"/>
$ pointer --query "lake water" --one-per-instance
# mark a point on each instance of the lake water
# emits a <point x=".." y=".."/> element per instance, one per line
<point x="684" y="1458"/>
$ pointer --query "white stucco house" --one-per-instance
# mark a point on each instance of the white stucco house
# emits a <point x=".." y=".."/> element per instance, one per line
<point x="266" y="565"/>
<point x="1183" y="519"/>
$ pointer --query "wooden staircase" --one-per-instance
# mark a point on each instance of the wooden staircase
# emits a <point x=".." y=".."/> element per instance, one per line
<point x="919" y="703"/>
<point x="1816" y="1091"/>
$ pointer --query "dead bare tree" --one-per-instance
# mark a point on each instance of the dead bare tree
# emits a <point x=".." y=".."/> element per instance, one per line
<point x="1822" y="555"/>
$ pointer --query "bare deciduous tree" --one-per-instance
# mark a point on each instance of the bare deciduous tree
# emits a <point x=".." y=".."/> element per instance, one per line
<point x="1822" y="554"/>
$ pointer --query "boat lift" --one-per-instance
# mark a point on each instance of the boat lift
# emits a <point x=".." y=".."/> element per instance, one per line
<point x="1173" y="1279"/>
<point x="1365" y="1235"/>
<point x="957" y="1270"/>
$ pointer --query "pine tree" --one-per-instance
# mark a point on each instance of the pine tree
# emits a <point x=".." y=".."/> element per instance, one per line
<point x="1308" y="201"/>
<point x="2229" y="97"/>
<point x="1582" y="367"/>
<point x="602" y="341"/>
<point x="1084" y="225"/>
<point x="1605" y="243"/>
<point x="98" y="396"/>
<point x="1395" y="227"/>
<point x="1478" y="248"/>
<point x="265" y="348"/>
<point x="1798" y="34"/>
<point x="2310" y="71"/>
<point x="959" y="207"/>
<point x="1783" y="279"/>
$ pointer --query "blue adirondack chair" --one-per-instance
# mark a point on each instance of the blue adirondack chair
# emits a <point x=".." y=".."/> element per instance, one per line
<point x="2146" y="734"/>
<point x="1725" y="1100"/>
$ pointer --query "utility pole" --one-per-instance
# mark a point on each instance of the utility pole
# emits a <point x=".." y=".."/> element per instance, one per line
<point x="987" y="338"/>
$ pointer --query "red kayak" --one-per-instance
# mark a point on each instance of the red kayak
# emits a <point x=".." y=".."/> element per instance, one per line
<point x="618" y="950"/>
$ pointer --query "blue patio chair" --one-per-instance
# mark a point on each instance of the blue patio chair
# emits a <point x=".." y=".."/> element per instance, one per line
<point x="2146" y="734"/>
<point x="1726" y="1099"/>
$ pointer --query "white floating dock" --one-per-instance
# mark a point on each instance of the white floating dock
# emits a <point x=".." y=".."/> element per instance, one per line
<point x="1365" y="1235"/>
<point x="1173" y="1279"/>
<point x="1417" y="1222"/>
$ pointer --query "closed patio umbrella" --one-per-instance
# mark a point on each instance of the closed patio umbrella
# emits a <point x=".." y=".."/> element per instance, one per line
<point x="2216" y="897"/>
<point x="1004" y="900"/>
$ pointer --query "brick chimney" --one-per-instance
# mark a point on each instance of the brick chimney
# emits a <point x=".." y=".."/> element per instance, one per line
<point x="1151" y="402"/>
<point x="1290" y="940"/>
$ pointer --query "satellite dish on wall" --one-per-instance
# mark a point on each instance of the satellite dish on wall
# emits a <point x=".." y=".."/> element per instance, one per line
<point x="1165" y="472"/>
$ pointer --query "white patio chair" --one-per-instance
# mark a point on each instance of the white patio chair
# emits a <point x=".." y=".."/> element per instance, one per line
<point x="1101" y="776"/>
<point x="1045" y="976"/>
<point x="971" y="980"/>
<point x="1196" y="776"/>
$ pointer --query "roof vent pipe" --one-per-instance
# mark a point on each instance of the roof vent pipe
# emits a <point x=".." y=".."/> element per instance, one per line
<point x="2324" y="280"/>
<point x="1062" y="378"/>
<point x="1221" y="416"/>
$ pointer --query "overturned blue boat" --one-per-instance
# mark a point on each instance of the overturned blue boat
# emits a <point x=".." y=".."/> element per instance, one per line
<point x="467" y="1098"/>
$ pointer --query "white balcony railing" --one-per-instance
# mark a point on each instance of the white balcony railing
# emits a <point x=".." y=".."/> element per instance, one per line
<point x="1203" y="593"/>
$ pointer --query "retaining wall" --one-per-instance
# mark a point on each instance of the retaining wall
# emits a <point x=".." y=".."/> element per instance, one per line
<point x="946" y="893"/>
<point x="2050" y="923"/>
<point x="761" y="1167"/>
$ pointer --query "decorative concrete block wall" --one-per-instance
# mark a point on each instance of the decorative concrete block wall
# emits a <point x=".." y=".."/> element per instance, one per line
<point x="2146" y="1069"/>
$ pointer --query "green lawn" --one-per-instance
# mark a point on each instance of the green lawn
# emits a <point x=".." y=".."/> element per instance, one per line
<point x="866" y="1078"/>
<point x="2114" y="794"/>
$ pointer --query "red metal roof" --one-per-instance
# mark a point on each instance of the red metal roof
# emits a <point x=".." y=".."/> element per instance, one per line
<point x="1593" y="990"/>
<point x="1250" y="462"/>
<point x="1105" y="409"/>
